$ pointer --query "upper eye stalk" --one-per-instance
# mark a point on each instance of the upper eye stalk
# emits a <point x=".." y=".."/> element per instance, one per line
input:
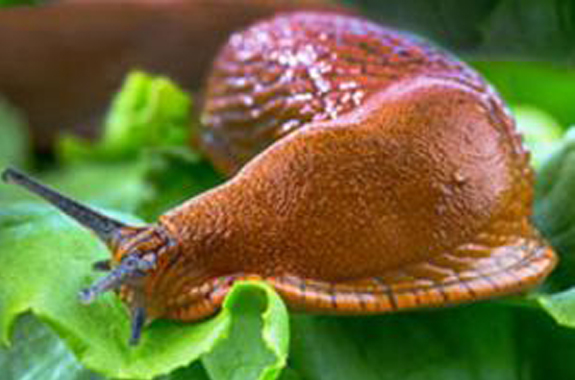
<point x="106" y="228"/>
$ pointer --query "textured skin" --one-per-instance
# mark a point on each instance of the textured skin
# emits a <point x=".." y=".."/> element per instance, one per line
<point x="405" y="187"/>
<point x="294" y="69"/>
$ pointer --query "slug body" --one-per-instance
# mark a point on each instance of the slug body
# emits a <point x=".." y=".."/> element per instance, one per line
<point x="371" y="173"/>
<point x="374" y="173"/>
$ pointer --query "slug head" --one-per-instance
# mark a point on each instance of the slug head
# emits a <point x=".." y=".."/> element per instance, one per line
<point x="135" y="254"/>
<point x="135" y="249"/>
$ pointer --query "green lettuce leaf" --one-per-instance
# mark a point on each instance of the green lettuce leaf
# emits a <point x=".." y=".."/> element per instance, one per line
<point x="261" y="317"/>
<point x="46" y="259"/>
<point x="147" y="112"/>
<point x="541" y="133"/>
<point x="38" y="353"/>
<point x="555" y="207"/>
<point x="147" y="135"/>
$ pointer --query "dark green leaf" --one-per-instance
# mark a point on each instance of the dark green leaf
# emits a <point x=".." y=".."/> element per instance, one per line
<point x="194" y="371"/>
<point x="173" y="175"/>
<point x="548" y="87"/>
<point x="468" y="342"/>
<point x="546" y="349"/>
<point x="555" y="207"/>
<point x="503" y="29"/>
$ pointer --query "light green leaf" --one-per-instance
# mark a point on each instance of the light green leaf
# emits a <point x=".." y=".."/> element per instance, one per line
<point x="541" y="133"/>
<point x="561" y="306"/>
<point x="45" y="259"/>
<point x="147" y="112"/>
<point x="38" y="353"/>
<point x="258" y="342"/>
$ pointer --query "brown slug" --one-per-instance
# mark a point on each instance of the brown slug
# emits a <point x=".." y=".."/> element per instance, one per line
<point x="371" y="173"/>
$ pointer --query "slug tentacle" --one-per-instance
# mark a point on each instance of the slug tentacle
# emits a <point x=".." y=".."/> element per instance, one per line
<point x="138" y="322"/>
<point x="106" y="228"/>
<point x="131" y="268"/>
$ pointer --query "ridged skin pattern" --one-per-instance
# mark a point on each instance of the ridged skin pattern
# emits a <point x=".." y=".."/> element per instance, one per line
<point x="383" y="175"/>
<point x="282" y="74"/>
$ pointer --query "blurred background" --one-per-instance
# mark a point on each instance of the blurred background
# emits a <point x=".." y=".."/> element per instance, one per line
<point x="61" y="60"/>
